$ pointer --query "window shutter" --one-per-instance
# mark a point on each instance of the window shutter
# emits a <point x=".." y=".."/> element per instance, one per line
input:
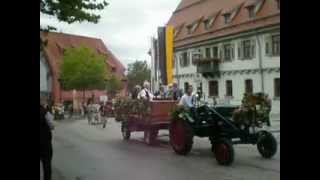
<point x="240" y="50"/>
<point x="253" y="48"/>
<point x="268" y="44"/>
<point x="181" y="60"/>
<point x="221" y="52"/>
<point x="232" y="50"/>
<point x="188" y="59"/>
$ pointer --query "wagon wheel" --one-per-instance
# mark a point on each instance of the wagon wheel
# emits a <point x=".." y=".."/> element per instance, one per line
<point x="224" y="151"/>
<point x="181" y="136"/>
<point x="125" y="132"/>
<point x="150" y="136"/>
<point x="267" y="144"/>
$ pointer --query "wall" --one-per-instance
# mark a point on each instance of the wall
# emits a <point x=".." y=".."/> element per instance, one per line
<point x="45" y="81"/>
<point x="238" y="78"/>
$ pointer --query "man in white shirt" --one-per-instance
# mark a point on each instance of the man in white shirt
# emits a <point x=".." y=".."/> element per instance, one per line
<point x="145" y="92"/>
<point x="188" y="100"/>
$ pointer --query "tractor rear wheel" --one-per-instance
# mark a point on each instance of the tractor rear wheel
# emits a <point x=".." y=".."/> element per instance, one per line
<point x="267" y="144"/>
<point x="224" y="151"/>
<point x="181" y="137"/>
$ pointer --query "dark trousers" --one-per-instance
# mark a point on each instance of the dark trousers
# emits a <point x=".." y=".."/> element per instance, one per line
<point x="45" y="158"/>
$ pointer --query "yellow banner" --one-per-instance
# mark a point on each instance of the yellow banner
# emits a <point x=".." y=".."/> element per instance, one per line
<point x="169" y="53"/>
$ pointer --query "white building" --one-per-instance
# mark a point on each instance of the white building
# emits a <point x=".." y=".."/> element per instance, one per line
<point x="227" y="48"/>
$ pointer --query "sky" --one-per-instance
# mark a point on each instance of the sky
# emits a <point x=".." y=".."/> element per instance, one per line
<point x="125" y="27"/>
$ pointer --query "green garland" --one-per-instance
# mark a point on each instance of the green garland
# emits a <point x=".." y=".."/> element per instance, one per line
<point x="255" y="109"/>
<point x="124" y="107"/>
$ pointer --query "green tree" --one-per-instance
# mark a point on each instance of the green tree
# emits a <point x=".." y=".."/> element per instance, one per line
<point x="71" y="11"/>
<point x="83" y="69"/>
<point x="113" y="85"/>
<point x="138" y="72"/>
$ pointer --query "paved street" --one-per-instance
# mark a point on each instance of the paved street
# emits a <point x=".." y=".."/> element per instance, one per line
<point x="83" y="152"/>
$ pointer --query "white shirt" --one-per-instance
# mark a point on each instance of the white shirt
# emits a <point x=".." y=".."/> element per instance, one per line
<point x="186" y="100"/>
<point x="49" y="118"/>
<point x="143" y="94"/>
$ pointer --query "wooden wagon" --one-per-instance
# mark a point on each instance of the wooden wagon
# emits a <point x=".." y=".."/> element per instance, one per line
<point x="157" y="116"/>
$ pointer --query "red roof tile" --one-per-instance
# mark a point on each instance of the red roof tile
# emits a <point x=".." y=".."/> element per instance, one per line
<point x="59" y="41"/>
<point x="190" y="10"/>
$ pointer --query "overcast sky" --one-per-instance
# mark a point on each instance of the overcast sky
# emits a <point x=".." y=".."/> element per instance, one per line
<point x="125" y="26"/>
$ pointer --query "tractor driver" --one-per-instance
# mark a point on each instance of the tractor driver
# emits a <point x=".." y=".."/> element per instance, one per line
<point x="188" y="101"/>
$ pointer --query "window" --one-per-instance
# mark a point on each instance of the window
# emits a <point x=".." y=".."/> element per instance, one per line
<point x="227" y="18"/>
<point x="215" y="52"/>
<point x="248" y="86"/>
<point x="229" y="88"/>
<point x="208" y="52"/>
<point x="208" y="23"/>
<point x="185" y="59"/>
<point x="246" y="49"/>
<point x="189" y="29"/>
<point x="277" y="87"/>
<point x="251" y="11"/>
<point x="213" y="88"/>
<point x="272" y="45"/>
<point x="192" y="27"/>
<point x="276" y="45"/>
<point x="227" y="52"/>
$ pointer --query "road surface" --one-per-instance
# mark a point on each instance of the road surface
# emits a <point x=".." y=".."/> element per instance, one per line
<point x="83" y="152"/>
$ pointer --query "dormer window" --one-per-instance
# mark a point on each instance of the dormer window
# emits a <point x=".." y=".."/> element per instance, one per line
<point x="253" y="7"/>
<point x="230" y="14"/>
<point x="177" y="30"/>
<point x="227" y="18"/>
<point x="192" y="27"/>
<point x="189" y="29"/>
<point x="209" y="22"/>
<point x="251" y="12"/>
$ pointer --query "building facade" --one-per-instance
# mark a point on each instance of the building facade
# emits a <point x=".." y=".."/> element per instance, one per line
<point x="51" y="56"/>
<point x="45" y="77"/>
<point x="227" y="48"/>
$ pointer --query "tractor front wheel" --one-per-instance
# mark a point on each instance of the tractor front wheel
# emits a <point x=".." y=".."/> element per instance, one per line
<point x="181" y="137"/>
<point x="224" y="151"/>
<point x="267" y="144"/>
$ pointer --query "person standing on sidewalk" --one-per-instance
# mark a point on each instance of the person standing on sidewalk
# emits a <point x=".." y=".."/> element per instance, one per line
<point x="45" y="140"/>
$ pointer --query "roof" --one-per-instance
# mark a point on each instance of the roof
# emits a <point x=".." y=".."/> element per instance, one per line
<point x="190" y="10"/>
<point x="59" y="41"/>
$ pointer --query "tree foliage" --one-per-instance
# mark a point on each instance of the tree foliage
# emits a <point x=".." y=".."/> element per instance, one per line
<point x="113" y="85"/>
<point x="138" y="72"/>
<point x="71" y="11"/>
<point x="83" y="69"/>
